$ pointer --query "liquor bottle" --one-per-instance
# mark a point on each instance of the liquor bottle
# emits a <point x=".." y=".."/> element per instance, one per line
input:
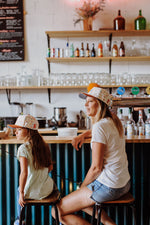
<point x="122" y="49"/>
<point x="48" y="52"/>
<point x="67" y="50"/>
<point x="130" y="124"/>
<point x="140" y="22"/>
<point x="77" y="52"/>
<point x="82" y="50"/>
<point x="93" y="53"/>
<point x="119" y="22"/>
<point x="71" y="50"/>
<point x="147" y="124"/>
<point x="115" y="49"/>
<point x="140" y="124"/>
<point x="87" y="52"/>
<point x="100" y="50"/>
<point x="120" y="115"/>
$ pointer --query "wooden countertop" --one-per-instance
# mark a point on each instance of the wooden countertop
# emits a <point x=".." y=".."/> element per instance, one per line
<point x="63" y="140"/>
<point x="50" y="131"/>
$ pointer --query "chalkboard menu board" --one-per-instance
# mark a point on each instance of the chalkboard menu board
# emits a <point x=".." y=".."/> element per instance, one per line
<point x="11" y="30"/>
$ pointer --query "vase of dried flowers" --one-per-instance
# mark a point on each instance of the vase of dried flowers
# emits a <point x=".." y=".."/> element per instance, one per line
<point x="88" y="23"/>
<point x="87" y="11"/>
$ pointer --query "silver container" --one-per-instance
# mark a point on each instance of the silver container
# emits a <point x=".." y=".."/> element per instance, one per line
<point x="60" y="115"/>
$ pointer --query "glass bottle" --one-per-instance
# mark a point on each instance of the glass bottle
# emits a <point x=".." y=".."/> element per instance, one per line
<point x="87" y="52"/>
<point x="140" y="22"/>
<point x="93" y="53"/>
<point x="82" y="50"/>
<point x="120" y="115"/>
<point x="147" y="124"/>
<point x="119" y="22"/>
<point x="71" y="50"/>
<point x="115" y="49"/>
<point x="48" y="52"/>
<point x="100" y="50"/>
<point x="130" y="124"/>
<point x="140" y="124"/>
<point x="77" y="52"/>
<point x="67" y="50"/>
<point x="122" y="49"/>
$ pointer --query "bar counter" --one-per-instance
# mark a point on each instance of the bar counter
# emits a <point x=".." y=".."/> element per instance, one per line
<point x="70" y="168"/>
<point x="67" y="140"/>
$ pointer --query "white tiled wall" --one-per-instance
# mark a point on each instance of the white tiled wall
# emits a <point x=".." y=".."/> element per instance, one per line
<point x="43" y="15"/>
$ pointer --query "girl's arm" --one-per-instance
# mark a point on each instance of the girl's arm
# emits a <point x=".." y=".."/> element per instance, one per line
<point x="22" y="178"/>
<point x="50" y="168"/>
<point x="79" y="140"/>
<point x="97" y="163"/>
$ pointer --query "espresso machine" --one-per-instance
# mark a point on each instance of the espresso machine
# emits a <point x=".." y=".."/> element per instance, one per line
<point x="59" y="119"/>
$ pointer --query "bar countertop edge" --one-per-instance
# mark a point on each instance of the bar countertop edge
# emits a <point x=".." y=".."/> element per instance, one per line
<point x="68" y="140"/>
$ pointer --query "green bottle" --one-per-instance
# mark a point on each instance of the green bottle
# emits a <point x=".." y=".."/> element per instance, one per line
<point x="140" y="22"/>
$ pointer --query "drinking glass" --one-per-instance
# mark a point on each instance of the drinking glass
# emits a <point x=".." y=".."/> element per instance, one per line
<point x="106" y="45"/>
<point x="113" y="79"/>
<point x="133" y="48"/>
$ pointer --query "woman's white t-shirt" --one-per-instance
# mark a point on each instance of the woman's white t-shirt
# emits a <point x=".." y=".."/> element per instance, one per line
<point x="115" y="172"/>
<point x="39" y="184"/>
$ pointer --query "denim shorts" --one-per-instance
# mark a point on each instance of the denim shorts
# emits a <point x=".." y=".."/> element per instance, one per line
<point x="102" y="193"/>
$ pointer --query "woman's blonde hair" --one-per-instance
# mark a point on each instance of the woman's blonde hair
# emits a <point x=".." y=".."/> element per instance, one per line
<point x="40" y="150"/>
<point x="104" y="112"/>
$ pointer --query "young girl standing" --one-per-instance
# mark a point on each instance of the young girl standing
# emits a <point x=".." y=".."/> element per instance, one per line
<point x="35" y="162"/>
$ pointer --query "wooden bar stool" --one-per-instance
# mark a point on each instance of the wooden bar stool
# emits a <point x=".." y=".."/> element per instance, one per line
<point x="126" y="200"/>
<point x="52" y="200"/>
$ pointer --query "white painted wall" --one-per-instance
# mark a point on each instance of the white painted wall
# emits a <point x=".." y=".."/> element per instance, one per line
<point x="44" y="15"/>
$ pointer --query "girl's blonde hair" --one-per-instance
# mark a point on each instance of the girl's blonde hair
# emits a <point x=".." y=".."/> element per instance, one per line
<point x="40" y="150"/>
<point x="104" y="112"/>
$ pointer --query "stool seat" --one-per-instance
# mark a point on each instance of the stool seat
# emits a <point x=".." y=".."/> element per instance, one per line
<point x="126" y="200"/>
<point x="52" y="200"/>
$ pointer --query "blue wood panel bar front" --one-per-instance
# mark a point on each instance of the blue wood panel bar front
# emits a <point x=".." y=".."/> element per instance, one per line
<point x="70" y="169"/>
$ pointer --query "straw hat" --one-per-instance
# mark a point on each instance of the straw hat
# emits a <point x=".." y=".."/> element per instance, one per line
<point x="94" y="90"/>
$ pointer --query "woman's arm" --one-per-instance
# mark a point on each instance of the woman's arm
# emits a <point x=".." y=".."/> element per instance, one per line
<point x="79" y="140"/>
<point x="97" y="163"/>
<point x="22" y="178"/>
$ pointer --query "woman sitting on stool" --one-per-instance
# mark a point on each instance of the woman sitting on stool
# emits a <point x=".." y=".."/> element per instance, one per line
<point x="108" y="177"/>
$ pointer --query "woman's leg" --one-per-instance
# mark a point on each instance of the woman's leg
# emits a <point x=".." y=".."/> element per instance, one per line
<point x="78" y="200"/>
<point x="74" y="202"/>
<point x="105" y="219"/>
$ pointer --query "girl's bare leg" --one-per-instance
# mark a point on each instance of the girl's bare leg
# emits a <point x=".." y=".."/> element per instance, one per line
<point x="75" y="201"/>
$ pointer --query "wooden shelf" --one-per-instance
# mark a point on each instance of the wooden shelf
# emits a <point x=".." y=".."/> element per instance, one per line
<point x="130" y="102"/>
<point x="98" y="59"/>
<point x="67" y="87"/>
<point x="96" y="33"/>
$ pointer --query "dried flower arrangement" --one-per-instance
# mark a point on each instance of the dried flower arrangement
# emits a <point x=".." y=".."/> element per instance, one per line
<point x="88" y="9"/>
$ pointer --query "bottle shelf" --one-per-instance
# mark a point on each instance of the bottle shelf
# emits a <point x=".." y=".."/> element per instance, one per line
<point x="96" y="33"/>
<point x="97" y="59"/>
<point x="109" y="33"/>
